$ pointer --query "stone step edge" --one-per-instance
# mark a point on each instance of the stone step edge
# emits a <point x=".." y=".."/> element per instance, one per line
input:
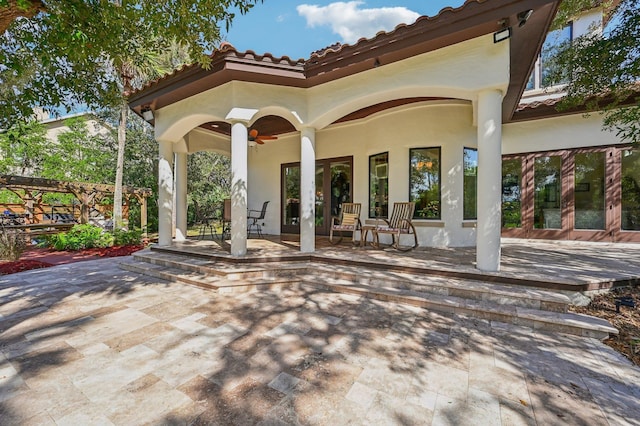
<point x="546" y="300"/>
<point x="515" y="292"/>
<point x="533" y="318"/>
<point x="319" y="257"/>
<point x="184" y="263"/>
<point x="200" y="280"/>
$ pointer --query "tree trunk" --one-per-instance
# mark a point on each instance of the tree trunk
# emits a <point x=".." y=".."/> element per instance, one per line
<point x="117" y="193"/>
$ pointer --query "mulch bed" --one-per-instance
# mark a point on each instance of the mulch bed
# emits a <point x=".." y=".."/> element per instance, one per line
<point x="627" y="321"/>
<point x="22" y="265"/>
<point x="37" y="258"/>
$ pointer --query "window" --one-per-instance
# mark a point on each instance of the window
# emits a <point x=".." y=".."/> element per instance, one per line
<point x="511" y="191"/>
<point x="379" y="185"/>
<point x="540" y="77"/>
<point x="547" y="187"/>
<point x="424" y="182"/>
<point x="589" y="199"/>
<point x="470" y="184"/>
<point x="631" y="190"/>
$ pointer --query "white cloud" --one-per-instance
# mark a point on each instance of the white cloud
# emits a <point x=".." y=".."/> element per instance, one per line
<point x="351" y="22"/>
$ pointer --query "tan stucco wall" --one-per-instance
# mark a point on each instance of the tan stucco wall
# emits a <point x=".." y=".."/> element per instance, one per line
<point x="572" y="131"/>
<point x="460" y="71"/>
<point x="447" y="125"/>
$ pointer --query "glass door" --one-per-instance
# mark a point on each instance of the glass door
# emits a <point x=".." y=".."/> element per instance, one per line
<point x="290" y="189"/>
<point x="333" y="187"/>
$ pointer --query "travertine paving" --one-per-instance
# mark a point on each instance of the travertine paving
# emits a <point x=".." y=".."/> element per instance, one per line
<point x="89" y="343"/>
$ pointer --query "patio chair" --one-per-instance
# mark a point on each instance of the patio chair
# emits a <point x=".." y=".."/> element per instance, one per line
<point x="254" y="217"/>
<point x="398" y="224"/>
<point x="349" y="221"/>
<point x="226" y="219"/>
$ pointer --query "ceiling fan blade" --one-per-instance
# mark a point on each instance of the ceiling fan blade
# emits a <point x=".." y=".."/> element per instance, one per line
<point x="268" y="138"/>
<point x="259" y="141"/>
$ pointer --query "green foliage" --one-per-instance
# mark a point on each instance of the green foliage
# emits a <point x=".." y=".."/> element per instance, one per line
<point x="81" y="237"/>
<point x="208" y="183"/>
<point x="8" y="197"/>
<point x="603" y="71"/>
<point x="78" y="52"/>
<point x="23" y="148"/>
<point x="80" y="154"/>
<point x="12" y="245"/>
<point x="127" y="238"/>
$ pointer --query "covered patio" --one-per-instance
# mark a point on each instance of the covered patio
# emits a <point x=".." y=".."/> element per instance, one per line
<point x="447" y="81"/>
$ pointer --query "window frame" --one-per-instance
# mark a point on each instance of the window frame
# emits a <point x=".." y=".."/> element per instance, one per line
<point x="464" y="175"/>
<point x="439" y="148"/>
<point x="371" y="200"/>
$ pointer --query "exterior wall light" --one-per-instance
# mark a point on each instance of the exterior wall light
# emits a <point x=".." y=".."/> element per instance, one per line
<point x="147" y="113"/>
<point x="524" y="16"/>
<point x="502" y="35"/>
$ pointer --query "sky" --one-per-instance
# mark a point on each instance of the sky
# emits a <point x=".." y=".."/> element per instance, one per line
<point x="297" y="28"/>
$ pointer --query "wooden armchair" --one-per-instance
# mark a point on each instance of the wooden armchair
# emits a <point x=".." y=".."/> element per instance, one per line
<point x="398" y="224"/>
<point x="349" y="221"/>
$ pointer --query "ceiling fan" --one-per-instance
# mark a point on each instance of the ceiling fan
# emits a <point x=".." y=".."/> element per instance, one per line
<point x="255" y="137"/>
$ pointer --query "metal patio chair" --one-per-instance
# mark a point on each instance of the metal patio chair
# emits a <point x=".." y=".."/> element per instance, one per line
<point x="398" y="224"/>
<point x="349" y="221"/>
<point x="254" y="218"/>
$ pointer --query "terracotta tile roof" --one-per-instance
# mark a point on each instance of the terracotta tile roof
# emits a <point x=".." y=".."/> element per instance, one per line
<point x="398" y="30"/>
<point x="226" y="49"/>
<point x="451" y="25"/>
<point x="551" y="102"/>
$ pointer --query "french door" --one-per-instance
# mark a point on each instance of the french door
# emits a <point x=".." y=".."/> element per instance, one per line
<point x="573" y="194"/>
<point x="333" y="187"/>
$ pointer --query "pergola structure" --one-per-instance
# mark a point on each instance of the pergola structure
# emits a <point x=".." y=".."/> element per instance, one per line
<point x="31" y="189"/>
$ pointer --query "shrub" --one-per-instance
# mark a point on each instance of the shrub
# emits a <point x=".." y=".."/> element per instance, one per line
<point x="127" y="238"/>
<point x="12" y="245"/>
<point x="80" y="237"/>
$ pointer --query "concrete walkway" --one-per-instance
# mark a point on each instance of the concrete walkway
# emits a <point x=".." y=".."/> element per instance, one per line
<point x="91" y="344"/>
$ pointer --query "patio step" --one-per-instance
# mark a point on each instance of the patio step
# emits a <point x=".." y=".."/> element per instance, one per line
<point x="531" y="307"/>
<point x="548" y="321"/>
<point x="212" y="282"/>
<point x="222" y="269"/>
<point x="524" y="297"/>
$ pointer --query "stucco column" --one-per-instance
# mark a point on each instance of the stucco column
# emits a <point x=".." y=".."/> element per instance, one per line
<point x="181" y="196"/>
<point x="165" y="192"/>
<point x="308" y="190"/>
<point x="489" y="180"/>
<point x="239" y="177"/>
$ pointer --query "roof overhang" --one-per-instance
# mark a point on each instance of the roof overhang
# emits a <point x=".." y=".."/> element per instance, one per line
<point x="473" y="19"/>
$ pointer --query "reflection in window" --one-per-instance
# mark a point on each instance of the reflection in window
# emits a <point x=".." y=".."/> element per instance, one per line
<point x="379" y="185"/>
<point x="291" y="195"/>
<point x="547" y="186"/>
<point x="511" y="193"/>
<point x="470" y="184"/>
<point x="589" y="190"/>
<point x="424" y="182"/>
<point x="631" y="190"/>
<point x="553" y="43"/>
<point x="541" y="74"/>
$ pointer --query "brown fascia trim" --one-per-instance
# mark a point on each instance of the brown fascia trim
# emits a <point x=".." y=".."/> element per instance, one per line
<point x="549" y="108"/>
<point x="522" y="46"/>
<point x="195" y="79"/>
<point x="473" y="19"/>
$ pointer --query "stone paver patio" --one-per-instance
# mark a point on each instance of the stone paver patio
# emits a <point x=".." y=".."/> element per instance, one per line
<point x="88" y="343"/>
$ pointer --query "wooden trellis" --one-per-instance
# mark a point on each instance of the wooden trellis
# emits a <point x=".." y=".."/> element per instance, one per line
<point x="87" y="194"/>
